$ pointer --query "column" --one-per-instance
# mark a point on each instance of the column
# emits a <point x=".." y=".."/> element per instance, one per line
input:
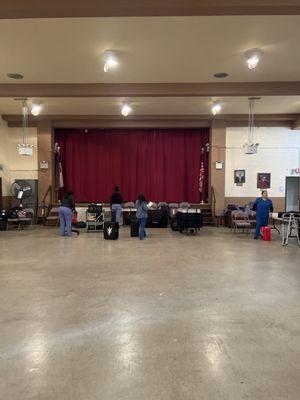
<point x="218" y="153"/>
<point x="45" y="146"/>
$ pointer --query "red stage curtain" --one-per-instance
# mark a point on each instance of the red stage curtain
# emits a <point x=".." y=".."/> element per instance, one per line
<point x="162" y="163"/>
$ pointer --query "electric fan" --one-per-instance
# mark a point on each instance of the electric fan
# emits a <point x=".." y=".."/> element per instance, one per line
<point x="21" y="190"/>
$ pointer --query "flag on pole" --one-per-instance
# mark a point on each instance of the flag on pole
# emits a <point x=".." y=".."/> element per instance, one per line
<point x="58" y="168"/>
<point x="201" y="181"/>
<point x="61" y="177"/>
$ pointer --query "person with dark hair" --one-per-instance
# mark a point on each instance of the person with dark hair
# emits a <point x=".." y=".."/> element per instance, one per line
<point x="263" y="206"/>
<point x="142" y="214"/>
<point x="66" y="210"/>
<point x="115" y="203"/>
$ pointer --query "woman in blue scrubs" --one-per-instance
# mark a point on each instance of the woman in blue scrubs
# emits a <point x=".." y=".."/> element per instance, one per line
<point x="263" y="206"/>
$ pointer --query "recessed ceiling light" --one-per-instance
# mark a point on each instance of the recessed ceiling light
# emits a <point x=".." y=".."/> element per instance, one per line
<point x="221" y="75"/>
<point x="216" y="108"/>
<point x="253" y="58"/>
<point x="110" y="60"/>
<point x="13" y="75"/>
<point x="36" y="109"/>
<point x="126" y="109"/>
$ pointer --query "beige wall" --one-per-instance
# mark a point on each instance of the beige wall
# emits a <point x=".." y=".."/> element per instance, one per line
<point x="217" y="176"/>
<point x="14" y="165"/>
<point x="278" y="154"/>
<point x="45" y="144"/>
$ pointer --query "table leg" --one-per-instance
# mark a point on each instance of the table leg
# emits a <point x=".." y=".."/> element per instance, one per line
<point x="275" y="227"/>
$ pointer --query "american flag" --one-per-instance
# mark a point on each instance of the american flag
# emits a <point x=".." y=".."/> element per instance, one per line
<point x="58" y="168"/>
<point x="201" y="181"/>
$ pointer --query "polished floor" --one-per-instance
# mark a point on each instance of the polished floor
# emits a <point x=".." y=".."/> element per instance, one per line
<point x="210" y="317"/>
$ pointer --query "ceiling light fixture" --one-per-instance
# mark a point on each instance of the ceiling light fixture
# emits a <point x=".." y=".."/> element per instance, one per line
<point x="110" y="60"/>
<point x="250" y="147"/>
<point x="216" y="108"/>
<point x="253" y="58"/>
<point x="36" y="109"/>
<point x="126" y="110"/>
<point x="14" y="75"/>
<point x="24" y="148"/>
<point x="221" y="75"/>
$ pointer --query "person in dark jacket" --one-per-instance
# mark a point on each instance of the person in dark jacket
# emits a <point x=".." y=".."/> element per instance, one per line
<point x="263" y="206"/>
<point x="66" y="210"/>
<point x="142" y="214"/>
<point x="115" y="203"/>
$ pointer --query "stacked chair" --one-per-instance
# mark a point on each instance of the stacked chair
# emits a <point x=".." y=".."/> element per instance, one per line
<point x="241" y="221"/>
<point x="53" y="218"/>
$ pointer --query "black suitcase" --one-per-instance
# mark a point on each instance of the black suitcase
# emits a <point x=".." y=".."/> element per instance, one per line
<point x="3" y="225"/>
<point x="128" y="217"/>
<point x="174" y="225"/>
<point x="134" y="228"/>
<point x="189" y="220"/>
<point x="3" y="220"/>
<point x="158" y="218"/>
<point x="111" y="231"/>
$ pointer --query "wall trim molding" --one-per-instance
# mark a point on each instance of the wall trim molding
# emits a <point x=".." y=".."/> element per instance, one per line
<point x="144" y="121"/>
<point x="278" y="202"/>
<point x="191" y="89"/>
<point x="155" y="8"/>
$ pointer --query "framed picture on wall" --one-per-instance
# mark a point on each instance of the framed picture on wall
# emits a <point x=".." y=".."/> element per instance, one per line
<point x="263" y="180"/>
<point x="239" y="176"/>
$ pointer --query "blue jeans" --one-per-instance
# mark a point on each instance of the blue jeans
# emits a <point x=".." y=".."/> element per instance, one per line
<point x="65" y="216"/>
<point x="261" y="221"/>
<point x="118" y="209"/>
<point x="142" y="224"/>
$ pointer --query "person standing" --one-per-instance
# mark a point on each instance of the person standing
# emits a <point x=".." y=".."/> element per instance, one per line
<point x="115" y="203"/>
<point x="142" y="215"/>
<point x="65" y="214"/>
<point x="263" y="206"/>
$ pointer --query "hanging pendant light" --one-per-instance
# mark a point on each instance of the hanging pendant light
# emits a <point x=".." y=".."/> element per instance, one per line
<point x="24" y="148"/>
<point x="250" y="147"/>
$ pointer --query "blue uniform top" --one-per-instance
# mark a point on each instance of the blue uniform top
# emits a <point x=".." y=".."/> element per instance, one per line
<point x="262" y="207"/>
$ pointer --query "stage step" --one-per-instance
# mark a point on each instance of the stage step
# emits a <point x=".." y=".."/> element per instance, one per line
<point x="207" y="216"/>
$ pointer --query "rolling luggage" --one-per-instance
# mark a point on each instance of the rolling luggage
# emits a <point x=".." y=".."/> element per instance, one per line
<point x="174" y="225"/>
<point x="111" y="230"/>
<point x="128" y="217"/>
<point x="265" y="232"/>
<point x="3" y="220"/>
<point x="134" y="228"/>
<point x="158" y="218"/>
<point x="189" y="220"/>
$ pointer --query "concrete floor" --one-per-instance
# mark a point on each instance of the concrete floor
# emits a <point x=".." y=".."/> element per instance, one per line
<point x="170" y="318"/>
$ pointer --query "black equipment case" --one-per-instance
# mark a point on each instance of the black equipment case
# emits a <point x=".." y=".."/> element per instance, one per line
<point x="111" y="230"/>
<point x="134" y="228"/>
<point x="174" y="224"/>
<point x="158" y="218"/>
<point x="3" y="220"/>
<point x="128" y="217"/>
<point x="189" y="220"/>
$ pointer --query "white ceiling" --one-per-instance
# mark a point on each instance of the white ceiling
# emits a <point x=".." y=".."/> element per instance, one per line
<point x="161" y="49"/>
<point x="155" y="106"/>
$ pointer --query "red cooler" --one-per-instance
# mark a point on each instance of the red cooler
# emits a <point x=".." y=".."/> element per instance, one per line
<point x="265" y="232"/>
